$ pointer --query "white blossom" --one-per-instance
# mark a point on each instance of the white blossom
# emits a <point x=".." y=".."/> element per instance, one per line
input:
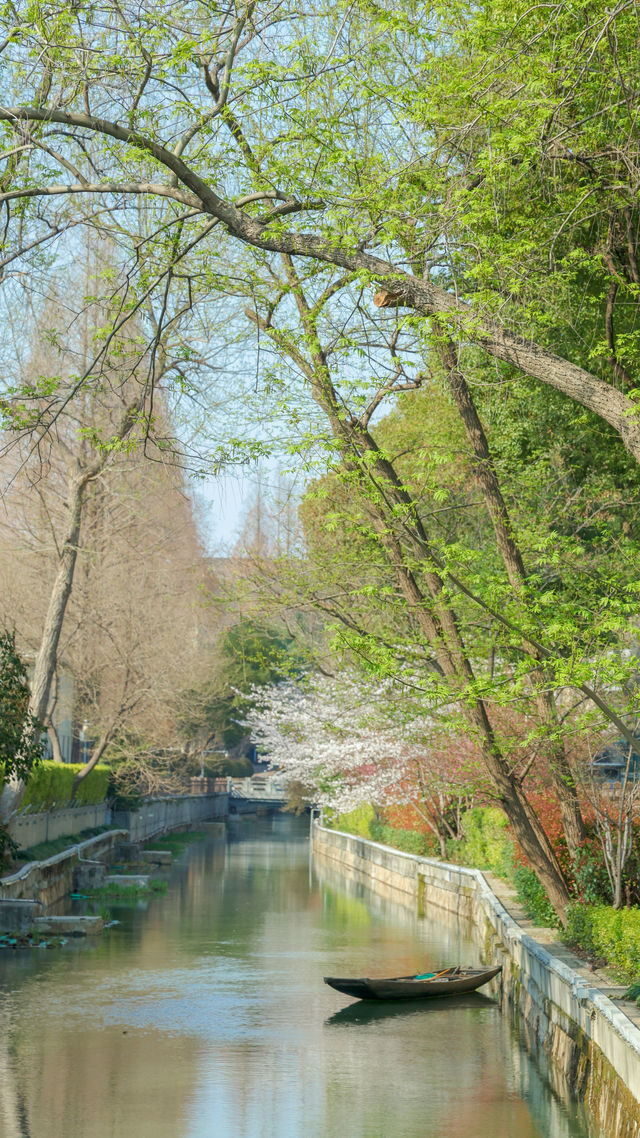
<point x="347" y="740"/>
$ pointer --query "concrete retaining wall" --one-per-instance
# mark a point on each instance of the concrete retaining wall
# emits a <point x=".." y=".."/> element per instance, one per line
<point x="50" y="882"/>
<point x="154" y="817"/>
<point x="592" y="1046"/>
<point x="161" y="814"/>
<point x="31" y="829"/>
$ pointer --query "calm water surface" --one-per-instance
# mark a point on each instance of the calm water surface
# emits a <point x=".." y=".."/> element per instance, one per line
<point x="203" y="1015"/>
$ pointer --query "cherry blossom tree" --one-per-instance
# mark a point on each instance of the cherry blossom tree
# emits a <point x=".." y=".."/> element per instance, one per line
<point x="349" y="742"/>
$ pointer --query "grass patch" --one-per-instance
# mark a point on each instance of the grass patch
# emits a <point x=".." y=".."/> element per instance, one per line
<point x="175" y="843"/>
<point x="58" y="845"/>
<point x="114" y="892"/>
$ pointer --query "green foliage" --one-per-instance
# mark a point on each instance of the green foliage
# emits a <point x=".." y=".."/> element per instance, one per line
<point x="20" y="732"/>
<point x="50" y="785"/>
<point x="21" y="742"/>
<point x="578" y="930"/>
<point x="613" y="934"/>
<point x="224" y="767"/>
<point x="633" y="993"/>
<point x="251" y="654"/>
<point x="592" y="885"/>
<point x="487" y="843"/>
<point x="365" y="823"/>
<point x="122" y="796"/>
<point x="358" y="821"/>
<point x="410" y="841"/>
<point x="533" y="898"/>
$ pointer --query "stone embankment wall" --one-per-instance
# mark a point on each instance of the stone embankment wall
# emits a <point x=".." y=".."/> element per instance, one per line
<point x="30" y="829"/>
<point x="592" y="1047"/>
<point x="155" y="816"/>
<point x="47" y="883"/>
<point x="158" y="815"/>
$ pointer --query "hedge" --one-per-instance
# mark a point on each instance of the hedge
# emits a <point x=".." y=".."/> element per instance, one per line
<point x="602" y="931"/>
<point x="50" y="785"/>
<point x="533" y="898"/>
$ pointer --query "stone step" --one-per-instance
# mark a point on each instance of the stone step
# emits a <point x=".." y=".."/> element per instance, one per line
<point x="157" y="857"/>
<point x="16" y="916"/>
<point x="68" y="926"/>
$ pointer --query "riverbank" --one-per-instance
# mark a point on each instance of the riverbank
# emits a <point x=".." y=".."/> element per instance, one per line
<point x="44" y="885"/>
<point x="561" y="1006"/>
<point x="203" y="1011"/>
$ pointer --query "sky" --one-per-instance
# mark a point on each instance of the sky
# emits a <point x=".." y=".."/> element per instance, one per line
<point x="222" y="503"/>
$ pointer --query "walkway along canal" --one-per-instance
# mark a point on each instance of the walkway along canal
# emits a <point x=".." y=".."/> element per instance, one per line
<point x="203" y="1013"/>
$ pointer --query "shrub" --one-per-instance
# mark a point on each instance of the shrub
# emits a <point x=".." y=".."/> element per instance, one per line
<point x="364" y="822"/>
<point x="578" y="931"/>
<point x="358" y="821"/>
<point x="486" y="843"/>
<point x="590" y="875"/>
<point x="613" y="934"/>
<point x="410" y="841"/>
<point x="533" y="898"/>
<point x="50" y="785"/>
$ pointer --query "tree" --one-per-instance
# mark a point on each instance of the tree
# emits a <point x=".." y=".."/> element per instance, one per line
<point x="334" y="735"/>
<point x="249" y="655"/>
<point x="454" y="147"/>
<point x="20" y="731"/>
<point x="614" y="807"/>
<point x="348" y="741"/>
<point x="413" y="197"/>
<point x="95" y="508"/>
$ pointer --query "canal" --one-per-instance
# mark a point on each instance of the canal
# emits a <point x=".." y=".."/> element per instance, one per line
<point x="202" y="1014"/>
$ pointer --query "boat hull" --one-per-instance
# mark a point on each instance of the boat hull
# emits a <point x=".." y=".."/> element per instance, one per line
<point x="457" y="982"/>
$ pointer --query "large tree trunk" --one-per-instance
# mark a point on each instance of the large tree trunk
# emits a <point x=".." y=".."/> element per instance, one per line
<point x="47" y="657"/>
<point x="443" y="635"/>
<point x="93" y="760"/>
<point x="432" y="611"/>
<point x="486" y="477"/>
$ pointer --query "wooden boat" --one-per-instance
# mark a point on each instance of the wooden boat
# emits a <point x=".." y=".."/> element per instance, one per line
<point x="449" y="982"/>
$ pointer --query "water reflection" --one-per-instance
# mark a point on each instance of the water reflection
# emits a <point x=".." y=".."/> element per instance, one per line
<point x="370" y="1011"/>
<point x="204" y="1013"/>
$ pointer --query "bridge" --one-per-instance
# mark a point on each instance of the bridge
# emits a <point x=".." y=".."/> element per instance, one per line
<point x="259" y="790"/>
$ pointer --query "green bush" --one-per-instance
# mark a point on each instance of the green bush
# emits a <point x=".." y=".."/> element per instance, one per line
<point x="364" y="823"/>
<point x="50" y="785"/>
<point x="486" y="843"/>
<point x="611" y="933"/>
<point x="578" y="931"/>
<point x="410" y="841"/>
<point x="533" y="898"/>
<point x="358" y="821"/>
